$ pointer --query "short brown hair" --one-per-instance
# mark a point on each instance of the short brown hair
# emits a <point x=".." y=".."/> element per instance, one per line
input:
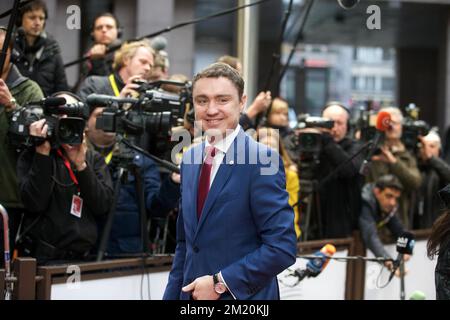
<point x="219" y="69"/>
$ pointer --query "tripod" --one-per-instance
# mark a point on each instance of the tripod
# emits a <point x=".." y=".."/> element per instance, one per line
<point x="311" y="199"/>
<point x="125" y="164"/>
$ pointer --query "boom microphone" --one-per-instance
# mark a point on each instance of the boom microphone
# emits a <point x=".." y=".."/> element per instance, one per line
<point x="383" y="124"/>
<point x="315" y="266"/>
<point x="159" y="43"/>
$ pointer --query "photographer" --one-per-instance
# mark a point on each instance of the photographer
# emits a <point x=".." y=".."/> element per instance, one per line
<point x="379" y="213"/>
<point x="340" y="195"/>
<point x="395" y="159"/>
<point x="64" y="188"/>
<point x="435" y="176"/>
<point x="15" y="91"/>
<point x="125" y="236"/>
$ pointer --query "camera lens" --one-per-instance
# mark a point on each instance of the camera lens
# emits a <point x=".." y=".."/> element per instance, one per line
<point x="70" y="130"/>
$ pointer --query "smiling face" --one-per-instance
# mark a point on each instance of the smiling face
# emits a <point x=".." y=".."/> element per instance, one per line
<point x="217" y="104"/>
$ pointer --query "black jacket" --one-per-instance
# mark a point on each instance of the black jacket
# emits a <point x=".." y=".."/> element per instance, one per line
<point x="340" y="196"/>
<point x="371" y="221"/>
<point x="435" y="175"/>
<point x="41" y="62"/>
<point x="442" y="272"/>
<point x="47" y="190"/>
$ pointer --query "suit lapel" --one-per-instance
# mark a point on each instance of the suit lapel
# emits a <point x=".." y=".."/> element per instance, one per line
<point x="220" y="180"/>
<point x="196" y="167"/>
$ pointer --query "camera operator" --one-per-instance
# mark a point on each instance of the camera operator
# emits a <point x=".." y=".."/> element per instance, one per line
<point x="379" y="213"/>
<point x="395" y="159"/>
<point x="340" y="195"/>
<point x="15" y="90"/>
<point x="133" y="61"/>
<point x="64" y="189"/>
<point x="105" y="33"/>
<point x="435" y="176"/>
<point x="125" y="236"/>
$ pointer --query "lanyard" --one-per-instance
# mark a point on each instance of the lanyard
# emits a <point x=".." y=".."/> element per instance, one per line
<point x="109" y="157"/>
<point x="67" y="165"/>
<point x="114" y="85"/>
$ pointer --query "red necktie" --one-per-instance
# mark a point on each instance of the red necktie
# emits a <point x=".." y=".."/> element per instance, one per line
<point x="203" y="182"/>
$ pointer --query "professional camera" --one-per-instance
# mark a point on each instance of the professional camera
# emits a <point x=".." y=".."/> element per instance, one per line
<point x="155" y="112"/>
<point x="67" y="130"/>
<point x="413" y="128"/>
<point x="309" y="144"/>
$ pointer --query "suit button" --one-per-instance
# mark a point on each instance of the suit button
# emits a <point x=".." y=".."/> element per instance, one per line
<point x="196" y="249"/>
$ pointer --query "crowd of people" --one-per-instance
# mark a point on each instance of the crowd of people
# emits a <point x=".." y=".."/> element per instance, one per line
<point x="60" y="199"/>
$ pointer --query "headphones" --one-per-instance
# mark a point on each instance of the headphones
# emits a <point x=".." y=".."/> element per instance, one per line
<point x="110" y="15"/>
<point x="339" y="104"/>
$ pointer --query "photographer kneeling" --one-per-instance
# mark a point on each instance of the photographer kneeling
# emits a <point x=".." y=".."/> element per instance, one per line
<point x="64" y="187"/>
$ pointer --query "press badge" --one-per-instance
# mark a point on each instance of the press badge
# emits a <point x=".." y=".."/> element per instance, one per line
<point x="77" y="206"/>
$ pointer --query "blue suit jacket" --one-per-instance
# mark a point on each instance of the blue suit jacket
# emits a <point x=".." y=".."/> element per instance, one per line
<point x="246" y="229"/>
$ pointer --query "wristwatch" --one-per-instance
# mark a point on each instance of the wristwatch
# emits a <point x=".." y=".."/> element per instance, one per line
<point x="219" y="286"/>
<point x="13" y="102"/>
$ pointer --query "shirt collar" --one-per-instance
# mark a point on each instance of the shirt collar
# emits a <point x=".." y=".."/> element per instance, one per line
<point x="224" y="144"/>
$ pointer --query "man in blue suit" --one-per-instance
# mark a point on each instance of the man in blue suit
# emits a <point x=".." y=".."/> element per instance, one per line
<point x="235" y="229"/>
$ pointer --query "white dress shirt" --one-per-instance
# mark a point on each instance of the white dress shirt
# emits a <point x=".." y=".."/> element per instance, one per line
<point x="222" y="147"/>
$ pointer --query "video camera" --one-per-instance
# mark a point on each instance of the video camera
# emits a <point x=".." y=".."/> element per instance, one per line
<point x="309" y="144"/>
<point x="154" y="112"/>
<point x="413" y="128"/>
<point x="67" y="130"/>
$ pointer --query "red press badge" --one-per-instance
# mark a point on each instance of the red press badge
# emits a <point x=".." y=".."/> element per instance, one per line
<point x="77" y="206"/>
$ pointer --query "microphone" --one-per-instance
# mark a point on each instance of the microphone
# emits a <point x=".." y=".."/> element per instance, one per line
<point x="383" y="123"/>
<point x="159" y="43"/>
<point x="95" y="99"/>
<point x="347" y="4"/>
<point x="315" y="266"/>
<point x="48" y="102"/>
<point x="405" y="245"/>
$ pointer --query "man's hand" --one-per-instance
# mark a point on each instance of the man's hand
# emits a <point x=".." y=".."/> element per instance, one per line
<point x="202" y="289"/>
<point x="130" y="88"/>
<point x="176" y="177"/>
<point x="39" y="129"/>
<point x="260" y="104"/>
<point x="77" y="154"/>
<point x="97" y="51"/>
<point x="385" y="156"/>
<point x="6" y="96"/>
